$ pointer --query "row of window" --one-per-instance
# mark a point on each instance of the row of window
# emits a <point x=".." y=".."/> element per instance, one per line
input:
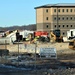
<point x="62" y="10"/>
<point x="64" y="25"/>
<point x="63" y="18"/>
<point x="59" y="26"/>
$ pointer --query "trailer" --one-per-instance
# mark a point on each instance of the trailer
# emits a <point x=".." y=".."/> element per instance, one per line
<point x="71" y="34"/>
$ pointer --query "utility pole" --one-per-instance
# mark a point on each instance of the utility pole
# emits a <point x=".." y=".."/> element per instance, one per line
<point x="5" y="44"/>
<point x="5" y="50"/>
<point x="57" y="18"/>
<point x="18" y="52"/>
<point x="35" y="53"/>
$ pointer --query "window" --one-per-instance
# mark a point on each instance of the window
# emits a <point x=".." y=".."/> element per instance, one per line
<point x="47" y="26"/>
<point x="62" y="10"/>
<point x="55" y="25"/>
<point x="54" y="10"/>
<point x="70" y="10"/>
<point x="66" y="10"/>
<point x="63" y="25"/>
<point x="58" y="10"/>
<point x="63" y="33"/>
<point x="71" y="18"/>
<point x="47" y="10"/>
<point x="71" y="25"/>
<point x="59" y="18"/>
<point x="67" y="18"/>
<point x="46" y="18"/>
<point x="63" y="18"/>
<point x="59" y="25"/>
<point x="67" y="25"/>
<point x="54" y="18"/>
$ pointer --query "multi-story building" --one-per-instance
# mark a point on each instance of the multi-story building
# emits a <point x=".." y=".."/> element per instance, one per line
<point x="55" y="16"/>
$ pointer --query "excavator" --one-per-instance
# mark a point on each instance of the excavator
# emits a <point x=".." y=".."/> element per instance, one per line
<point x="55" y="36"/>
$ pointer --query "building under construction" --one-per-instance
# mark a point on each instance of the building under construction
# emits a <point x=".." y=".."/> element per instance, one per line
<point x="55" y="16"/>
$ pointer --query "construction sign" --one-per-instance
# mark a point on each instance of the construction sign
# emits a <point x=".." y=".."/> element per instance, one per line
<point x="48" y="53"/>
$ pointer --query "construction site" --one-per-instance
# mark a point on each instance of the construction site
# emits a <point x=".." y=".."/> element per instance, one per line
<point x="37" y="52"/>
<point x="47" y="50"/>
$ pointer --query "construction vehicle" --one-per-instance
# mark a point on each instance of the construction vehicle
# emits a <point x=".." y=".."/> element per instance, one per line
<point x="72" y="44"/>
<point x="31" y="36"/>
<point x="55" y="36"/>
<point x="71" y="38"/>
<point x="41" y="36"/>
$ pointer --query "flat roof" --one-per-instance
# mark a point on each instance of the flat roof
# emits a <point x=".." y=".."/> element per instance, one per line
<point x="57" y="5"/>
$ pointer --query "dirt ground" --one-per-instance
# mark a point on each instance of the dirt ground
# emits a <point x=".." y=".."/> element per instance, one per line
<point x="65" y="57"/>
<point x="64" y="54"/>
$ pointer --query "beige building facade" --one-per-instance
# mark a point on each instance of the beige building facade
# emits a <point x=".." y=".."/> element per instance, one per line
<point x="55" y="16"/>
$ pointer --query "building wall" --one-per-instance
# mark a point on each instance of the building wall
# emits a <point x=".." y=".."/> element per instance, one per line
<point x="47" y="15"/>
<point x="43" y="19"/>
<point x="39" y="19"/>
<point x="62" y="18"/>
<point x="66" y="19"/>
<point x="39" y="15"/>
